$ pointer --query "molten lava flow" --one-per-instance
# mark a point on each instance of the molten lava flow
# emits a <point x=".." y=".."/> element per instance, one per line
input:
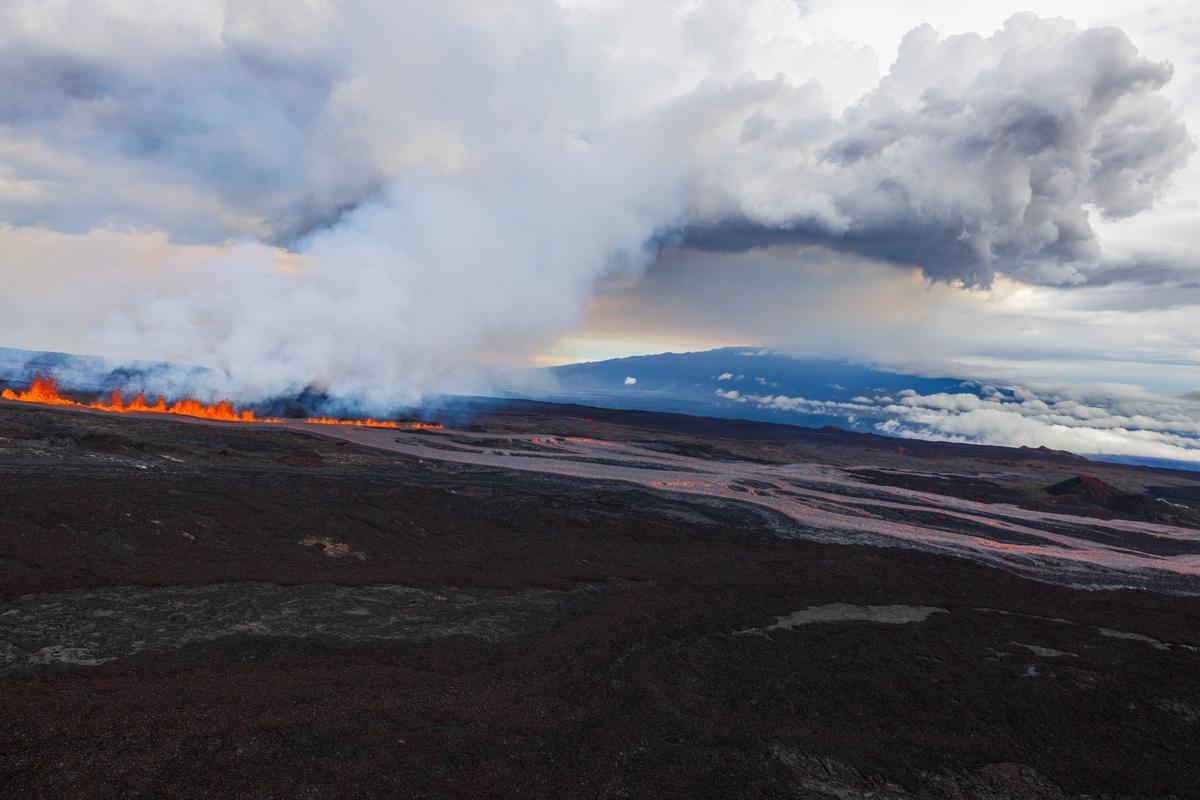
<point x="376" y="423"/>
<point x="223" y="411"/>
<point x="45" y="390"/>
<point x="585" y="440"/>
<point x="136" y="404"/>
<point x="359" y="423"/>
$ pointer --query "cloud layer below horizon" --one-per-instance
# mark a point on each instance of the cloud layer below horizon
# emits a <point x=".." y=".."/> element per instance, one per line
<point x="1103" y="421"/>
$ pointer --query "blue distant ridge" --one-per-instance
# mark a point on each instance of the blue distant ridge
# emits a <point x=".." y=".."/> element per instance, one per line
<point x="688" y="383"/>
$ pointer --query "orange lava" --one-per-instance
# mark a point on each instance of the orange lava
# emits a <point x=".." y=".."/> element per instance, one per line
<point x="376" y="423"/>
<point x="358" y="423"/>
<point x="223" y="411"/>
<point x="45" y="390"/>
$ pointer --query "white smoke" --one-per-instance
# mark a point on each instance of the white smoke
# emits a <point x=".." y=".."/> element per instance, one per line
<point x="450" y="180"/>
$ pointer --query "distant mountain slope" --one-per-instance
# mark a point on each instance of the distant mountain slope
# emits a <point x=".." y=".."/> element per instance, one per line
<point x="755" y="384"/>
<point x="689" y="383"/>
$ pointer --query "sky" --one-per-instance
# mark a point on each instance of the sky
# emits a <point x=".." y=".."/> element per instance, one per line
<point x="396" y="199"/>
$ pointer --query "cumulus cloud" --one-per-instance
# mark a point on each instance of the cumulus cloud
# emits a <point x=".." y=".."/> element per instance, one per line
<point x="1107" y="420"/>
<point x="976" y="155"/>
<point x="455" y="178"/>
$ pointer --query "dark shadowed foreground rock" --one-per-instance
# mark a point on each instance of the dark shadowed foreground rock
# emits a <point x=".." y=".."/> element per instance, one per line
<point x="199" y="611"/>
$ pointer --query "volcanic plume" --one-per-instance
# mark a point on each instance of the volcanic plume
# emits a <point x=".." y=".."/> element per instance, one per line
<point x="392" y="240"/>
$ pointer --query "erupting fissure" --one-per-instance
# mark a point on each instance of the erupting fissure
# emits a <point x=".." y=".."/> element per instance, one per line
<point x="376" y="423"/>
<point x="45" y="390"/>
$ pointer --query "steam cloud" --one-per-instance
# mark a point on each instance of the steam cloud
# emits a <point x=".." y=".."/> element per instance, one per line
<point x="453" y="179"/>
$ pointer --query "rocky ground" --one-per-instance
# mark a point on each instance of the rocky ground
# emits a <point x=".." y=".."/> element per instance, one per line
<point x="200" y="610"/>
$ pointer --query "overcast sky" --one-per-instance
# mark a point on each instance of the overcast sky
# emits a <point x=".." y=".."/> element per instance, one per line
<point x="395" y="198"/>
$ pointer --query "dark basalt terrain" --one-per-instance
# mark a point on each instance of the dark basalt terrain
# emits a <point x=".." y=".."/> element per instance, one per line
<point x="198" y="610"/>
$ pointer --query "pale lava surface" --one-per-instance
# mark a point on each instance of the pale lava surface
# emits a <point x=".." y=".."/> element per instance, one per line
<point x="831" y="504"/>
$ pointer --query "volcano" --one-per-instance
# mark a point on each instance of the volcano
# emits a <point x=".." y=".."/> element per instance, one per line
<point x="1090" y="494"/>
<point x="1085" y="488"/>
<point x="551" y="599"/>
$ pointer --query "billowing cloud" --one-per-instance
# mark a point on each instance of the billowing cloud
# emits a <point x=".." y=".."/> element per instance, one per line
<point x="977" y="155"/>
<point x="454" y="179"/>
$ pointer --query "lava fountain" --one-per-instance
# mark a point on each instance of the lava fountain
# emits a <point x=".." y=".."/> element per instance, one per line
<point x="376" y="423"/>
<point x="45" y="390"/>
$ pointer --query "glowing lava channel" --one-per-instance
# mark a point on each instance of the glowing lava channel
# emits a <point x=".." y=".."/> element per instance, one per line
<point x="376" y="423"/>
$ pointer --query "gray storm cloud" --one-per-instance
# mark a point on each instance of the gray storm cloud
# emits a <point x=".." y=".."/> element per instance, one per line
<point x="977" y="155"/>
<point x="456" y="177"/>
